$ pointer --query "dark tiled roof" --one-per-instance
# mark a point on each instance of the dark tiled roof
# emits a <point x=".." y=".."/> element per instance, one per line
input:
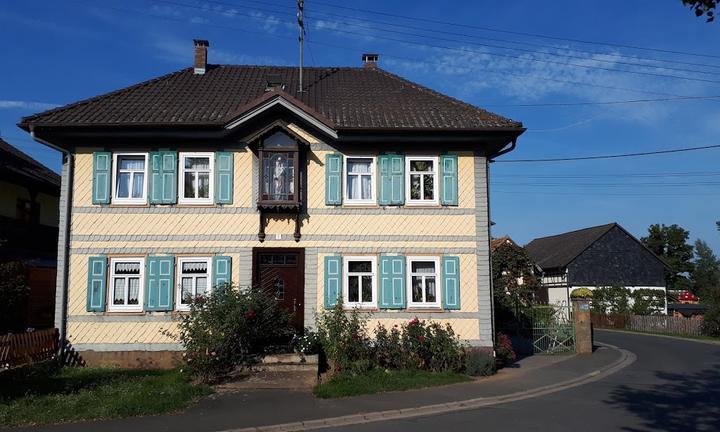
<point x="497" y="242"/>
<point x="348" y="98"/>
<point x="560" y="250"/>
<point x="21" y="168"/>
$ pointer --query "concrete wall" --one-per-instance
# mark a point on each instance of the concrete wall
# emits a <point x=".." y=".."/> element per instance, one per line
<point x="232" y="230"/>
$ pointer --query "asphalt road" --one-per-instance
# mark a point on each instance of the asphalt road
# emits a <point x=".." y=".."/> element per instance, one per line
<point x="673" y="386"/>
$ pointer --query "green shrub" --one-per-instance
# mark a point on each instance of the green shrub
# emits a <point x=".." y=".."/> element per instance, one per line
<point x="648" y="301"/>
<point x="343" y="338"/>
<point x="388" y="348"/>
<point x="479" y="362"/>
<point x="614" y="300"/>
<point x="582" y="293"/>
<point x="711" y="320"/>
<point x="13" y="293"/>
<point x="504" y="350"/>
<point x="228" y="329"/>
<point x="308" y="343"/>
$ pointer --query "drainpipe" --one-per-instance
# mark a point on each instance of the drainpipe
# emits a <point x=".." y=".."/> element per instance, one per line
<point x="62" y="327"/>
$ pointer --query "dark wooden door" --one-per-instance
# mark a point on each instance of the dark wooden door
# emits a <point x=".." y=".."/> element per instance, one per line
<point x="280" y="272"/>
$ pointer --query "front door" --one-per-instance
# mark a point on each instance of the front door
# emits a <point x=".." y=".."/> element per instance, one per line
<point x="280" y="272"/>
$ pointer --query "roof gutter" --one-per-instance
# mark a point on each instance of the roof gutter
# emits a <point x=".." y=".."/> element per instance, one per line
<point x="66" y="188"/>
<point x="513" y="144"/>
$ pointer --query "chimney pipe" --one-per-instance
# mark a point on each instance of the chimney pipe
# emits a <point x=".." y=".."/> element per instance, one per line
<point x="201" y="47"/>
<point x="370" y="60"/>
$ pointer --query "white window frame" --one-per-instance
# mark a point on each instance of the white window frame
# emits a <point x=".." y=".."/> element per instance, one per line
<point x="181" y="178"/>
<point x="178" y="290"/>
<point x="111" y="285"/>
<point x="346" y="285"/>
<point x="437" y="304"/>
<point x="373" y="179"/>
<point x="130" y="200"/>
<point x="412" y="202"/>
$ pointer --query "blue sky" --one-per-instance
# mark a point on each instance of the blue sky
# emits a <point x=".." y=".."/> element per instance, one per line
<point x="59" y="52"/>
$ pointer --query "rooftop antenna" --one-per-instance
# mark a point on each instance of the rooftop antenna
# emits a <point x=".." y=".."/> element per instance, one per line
<point x="301" y="26"/>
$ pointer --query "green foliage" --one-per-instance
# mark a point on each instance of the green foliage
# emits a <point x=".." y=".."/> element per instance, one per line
<point x="510" y="265"/>
<point x="416" y="344"/>
<point x="703" y="7"/>
<point x="382" y="380"/>
<point x="43" y="395"/>
<point x="706" y="277"/>
<point x="647" y="301"/>
<point x="612" y="300"/>
<point x="13" y="292"/>
<point x="343" y="338"/>
<point x="670" y="244"/>
<point x="230" y="328"/>
<point x="308" y="343"/>
<point x="581" y="293"/>
<point x="479" y="362"/>
<point x="711" y="320"/>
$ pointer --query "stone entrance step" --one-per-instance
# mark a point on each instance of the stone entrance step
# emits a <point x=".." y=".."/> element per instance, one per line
<point x="278" y="371"/>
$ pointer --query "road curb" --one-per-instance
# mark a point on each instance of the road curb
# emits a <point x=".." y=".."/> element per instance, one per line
<point x="626" y="359"/>
<point x="707" y="342"/>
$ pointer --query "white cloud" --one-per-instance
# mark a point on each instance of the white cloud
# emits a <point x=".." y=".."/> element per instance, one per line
<point x="26" y="105"/>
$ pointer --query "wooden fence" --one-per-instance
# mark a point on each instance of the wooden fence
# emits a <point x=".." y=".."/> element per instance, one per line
<point x="24" y="348"/>
<point x="650" y="324"/>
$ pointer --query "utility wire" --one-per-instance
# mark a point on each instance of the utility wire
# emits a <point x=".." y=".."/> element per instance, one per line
<point x="616" y="102"/>
<point x="492" y="29"/>
<point x="472" y="51"/>
<point x="427" y="30"/>
<point x="617" y="156"/>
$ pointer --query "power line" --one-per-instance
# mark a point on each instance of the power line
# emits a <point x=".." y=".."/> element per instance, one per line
<point x="581" y="158"/>
<point x="600" y="193"/>
<point x="616" y="102"/>
<point x="460" y="49"/>
<point x="614" y="175"/>
<point x="431" y="30"/>
<point x="491" y="29"/>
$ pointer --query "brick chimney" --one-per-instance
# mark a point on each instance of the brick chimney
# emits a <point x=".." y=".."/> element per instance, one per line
<point x="201" y="47"/>
<point x="370" y="60"/>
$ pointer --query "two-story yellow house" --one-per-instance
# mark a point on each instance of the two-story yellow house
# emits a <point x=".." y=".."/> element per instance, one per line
<point x="360" y="185"/>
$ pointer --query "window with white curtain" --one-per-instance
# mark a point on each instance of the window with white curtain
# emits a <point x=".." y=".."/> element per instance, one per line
<point x="360" y="180"/>
<point x="126" y="284"/>
<point x="196" y="178"/>
<point x="360" y="282"/>
<point x="421" y="184"/>
<point x="423" y="288"/>
<point x="130" y="178"/>
<point x="193" y="280"/>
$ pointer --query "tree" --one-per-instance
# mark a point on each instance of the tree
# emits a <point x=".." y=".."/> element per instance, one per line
<point x="706" y="276"/>
<point x="13" y="293"/>
<point x="703" y="7"/>
<point x="670" y="244"/>
<point x="514" y="280"/>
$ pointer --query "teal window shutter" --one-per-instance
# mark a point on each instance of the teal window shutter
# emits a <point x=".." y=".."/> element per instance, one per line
<point x="102" y="170"/>
<point x="222" y="270"/>
<point x="223" y="178"/>
<point x="333" y="179"/>
<point x="451" y="282"/>
<point x="392" y="282"/>
<point x="449" y="180"/>
<point x="97" y="282"/>
<point x="333" y="280"/>
<point x="391" y="183"/>
<point x="159" y="285"/>
<point x="163" y="178"/>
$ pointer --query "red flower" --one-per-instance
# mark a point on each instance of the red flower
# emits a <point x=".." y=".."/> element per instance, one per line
<point x="421" y="338"/>
<point x="250" y="315"/>
<point x="414" y="321"/>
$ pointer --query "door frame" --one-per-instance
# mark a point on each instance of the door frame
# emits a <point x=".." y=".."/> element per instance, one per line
<point x="301" y="265"/>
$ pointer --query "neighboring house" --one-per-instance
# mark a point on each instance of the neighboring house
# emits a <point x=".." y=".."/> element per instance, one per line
<point x="497" y="242"/>
<point x="29" y="196"/>
<point x="364" y="186"/>
<point x="600" y="256"/>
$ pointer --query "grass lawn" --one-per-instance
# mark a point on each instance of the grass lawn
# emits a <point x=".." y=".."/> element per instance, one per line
<point x="40" y="397"/>
<point x="379" y="380"/>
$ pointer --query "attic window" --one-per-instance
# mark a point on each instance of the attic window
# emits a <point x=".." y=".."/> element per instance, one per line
<point x="274" y="81"/>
